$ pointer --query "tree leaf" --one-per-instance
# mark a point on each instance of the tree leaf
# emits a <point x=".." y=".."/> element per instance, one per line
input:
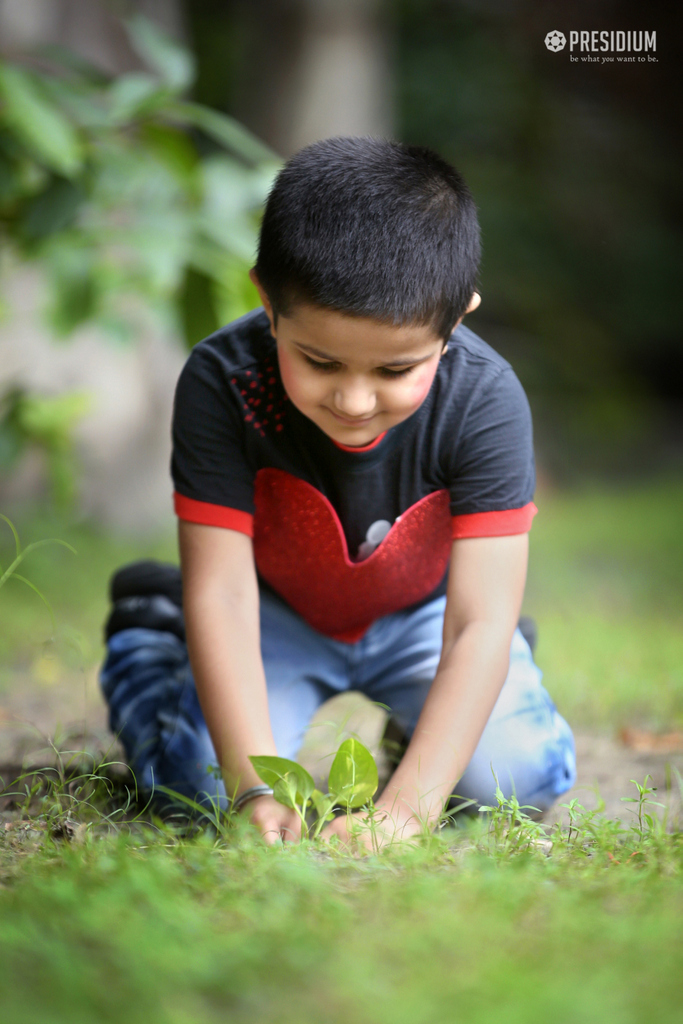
<point x="174" y="148"/>
<point x="134" y="95"/>
<point x="353" y="775"/>
<point x="41" y="125"/>
<point x="53" y="209"/>
<point x="225" y="130"/>
<point x="173" y="63"/>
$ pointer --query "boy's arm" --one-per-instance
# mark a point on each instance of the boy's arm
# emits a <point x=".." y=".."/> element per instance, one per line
<point x="485" y="590"/>
<point x="221" y="604"/>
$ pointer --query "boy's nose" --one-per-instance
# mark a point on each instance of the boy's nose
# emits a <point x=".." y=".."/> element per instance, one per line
<point x="355" y="401"/>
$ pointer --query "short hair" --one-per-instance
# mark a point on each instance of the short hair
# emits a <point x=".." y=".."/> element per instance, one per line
<point x="371" y="228"/>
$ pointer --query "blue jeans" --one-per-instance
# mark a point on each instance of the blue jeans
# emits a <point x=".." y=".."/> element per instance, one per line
<point x="154" y="709"/>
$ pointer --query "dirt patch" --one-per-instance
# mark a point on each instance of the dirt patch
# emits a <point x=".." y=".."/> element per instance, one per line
<point x="605" y="767"/>
<point x="70" y="713"/>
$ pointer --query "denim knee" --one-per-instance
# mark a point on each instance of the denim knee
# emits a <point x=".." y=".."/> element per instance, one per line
<point x="153" y="708"/>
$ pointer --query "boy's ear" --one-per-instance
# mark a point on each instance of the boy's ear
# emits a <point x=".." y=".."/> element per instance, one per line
<point x="475" y="303"/>
<point x="267" y="305"/>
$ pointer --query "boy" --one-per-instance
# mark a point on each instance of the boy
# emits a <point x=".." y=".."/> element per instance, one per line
<point x="353" y="478"/>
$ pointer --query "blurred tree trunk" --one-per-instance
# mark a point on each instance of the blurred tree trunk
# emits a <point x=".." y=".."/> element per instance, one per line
<point x="295" y="71"/>
<point x="91" y="28"/>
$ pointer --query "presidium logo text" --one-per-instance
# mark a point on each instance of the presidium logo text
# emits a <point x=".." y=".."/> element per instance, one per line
<point x="627" y="45"/>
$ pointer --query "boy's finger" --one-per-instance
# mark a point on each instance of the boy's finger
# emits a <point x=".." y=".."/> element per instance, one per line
<point x="271" y="835"/>
<point x="289" y="835"/>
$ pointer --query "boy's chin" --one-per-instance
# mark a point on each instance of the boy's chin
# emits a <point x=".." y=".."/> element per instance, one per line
<point x="346" y="434"/>
<point x="355" y="438"/>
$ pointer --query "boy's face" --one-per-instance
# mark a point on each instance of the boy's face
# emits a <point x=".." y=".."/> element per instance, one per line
<point x="354" y="377"/>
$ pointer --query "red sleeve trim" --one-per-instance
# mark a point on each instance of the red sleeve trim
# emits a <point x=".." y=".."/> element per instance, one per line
<point x="213" y="515"/>
<point x="494" y="524"/>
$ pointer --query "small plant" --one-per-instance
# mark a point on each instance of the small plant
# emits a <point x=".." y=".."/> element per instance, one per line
<point x="71" y="796"/>
<point x="511" y="829"/>
<point x="646" y="822"/>
<point x="352" y="784"/>
<point x="19" y="556"/>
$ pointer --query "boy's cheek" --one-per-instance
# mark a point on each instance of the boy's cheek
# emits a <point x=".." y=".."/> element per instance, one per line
<point x="419" y="385"/>
<point x="287" y="373"/>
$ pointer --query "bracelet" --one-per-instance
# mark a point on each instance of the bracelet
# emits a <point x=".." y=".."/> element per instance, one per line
<point x="250" y="794"/>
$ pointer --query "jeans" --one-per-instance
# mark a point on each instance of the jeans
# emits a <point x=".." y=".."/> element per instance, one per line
<point x="154" y="709"/>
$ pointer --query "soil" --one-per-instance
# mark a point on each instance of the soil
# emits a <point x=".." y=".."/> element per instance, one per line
<point x="68" y="713"/>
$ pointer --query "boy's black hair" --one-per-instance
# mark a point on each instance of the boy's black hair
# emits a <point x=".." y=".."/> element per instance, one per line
<point x="371" y="228"/>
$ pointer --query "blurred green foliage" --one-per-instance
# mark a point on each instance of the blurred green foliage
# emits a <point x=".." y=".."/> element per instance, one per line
<point x="47" y="421"/>
<point x="123" y="189"/>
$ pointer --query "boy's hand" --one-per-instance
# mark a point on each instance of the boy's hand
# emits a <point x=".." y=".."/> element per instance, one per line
<point x="355" y="832"/>
<point x="273" y="820"/>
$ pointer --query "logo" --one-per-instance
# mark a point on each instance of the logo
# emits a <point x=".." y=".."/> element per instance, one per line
<point x="555" y="41"/>
<point x="619" y="41"/>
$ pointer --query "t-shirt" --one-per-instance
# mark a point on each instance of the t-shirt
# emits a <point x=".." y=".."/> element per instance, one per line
<point x="348" y="535"/>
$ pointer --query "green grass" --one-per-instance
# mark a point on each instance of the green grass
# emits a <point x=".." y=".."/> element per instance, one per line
<point x="140" y="923"/>
<point x="152" y="928"/>
<point x="75" y="586"/>
<point x="605" y="587"/>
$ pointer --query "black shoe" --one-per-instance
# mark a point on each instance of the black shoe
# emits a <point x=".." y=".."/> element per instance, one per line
<point x="146" y="595"/>
<point x="147" y="577"/>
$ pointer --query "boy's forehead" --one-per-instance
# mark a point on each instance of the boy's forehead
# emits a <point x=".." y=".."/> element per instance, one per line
<point x="329" y="333"/>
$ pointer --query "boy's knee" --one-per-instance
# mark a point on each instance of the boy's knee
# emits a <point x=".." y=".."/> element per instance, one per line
<point x="537" y="771"/>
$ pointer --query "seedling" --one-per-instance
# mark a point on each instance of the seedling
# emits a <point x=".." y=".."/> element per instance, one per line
<point x="647" y="823"/>
<point x="510" y="826"/>
<point x="352" y="783"/>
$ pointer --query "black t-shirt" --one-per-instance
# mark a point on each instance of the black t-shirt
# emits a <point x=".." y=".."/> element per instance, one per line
<point x="347" y="535"/>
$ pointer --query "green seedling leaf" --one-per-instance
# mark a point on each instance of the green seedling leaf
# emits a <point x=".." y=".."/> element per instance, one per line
<point x="353" y="775"/>
<point x="42" y="125"/>
<point x="285" y="791"/>
<point x="321" y="802"/>
<point x="275" y="770"/>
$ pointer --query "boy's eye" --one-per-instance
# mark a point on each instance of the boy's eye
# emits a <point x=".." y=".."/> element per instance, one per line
<point x="332" y="367"/>
<point x="384" y="371"/>
<point x="323" y="367"/>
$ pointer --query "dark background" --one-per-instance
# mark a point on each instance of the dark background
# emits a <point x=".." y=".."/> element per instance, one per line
<point x="575" y="169"/>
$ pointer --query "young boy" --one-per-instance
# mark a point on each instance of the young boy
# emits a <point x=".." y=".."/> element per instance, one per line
<point x="353" y="476"/>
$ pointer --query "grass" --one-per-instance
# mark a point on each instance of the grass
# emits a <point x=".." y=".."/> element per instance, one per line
<point x="605" y="586"/>
<point x="147" y="926"/>
<point x="75" y="585"/>
<point x="140" y="921"/>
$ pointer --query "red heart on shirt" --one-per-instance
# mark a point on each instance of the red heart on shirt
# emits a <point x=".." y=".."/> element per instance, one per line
<point x="301" y="551"/>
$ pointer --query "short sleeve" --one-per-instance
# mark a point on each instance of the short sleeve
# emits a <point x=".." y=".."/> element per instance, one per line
<point x="492" y="473"/>
<point x="213" y="482"/>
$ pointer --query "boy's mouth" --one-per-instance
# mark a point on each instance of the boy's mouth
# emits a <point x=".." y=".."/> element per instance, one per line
<point x="359" y="421"/>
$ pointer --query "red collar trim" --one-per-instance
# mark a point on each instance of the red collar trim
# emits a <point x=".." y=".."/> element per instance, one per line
<point x="365" y="448"/>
